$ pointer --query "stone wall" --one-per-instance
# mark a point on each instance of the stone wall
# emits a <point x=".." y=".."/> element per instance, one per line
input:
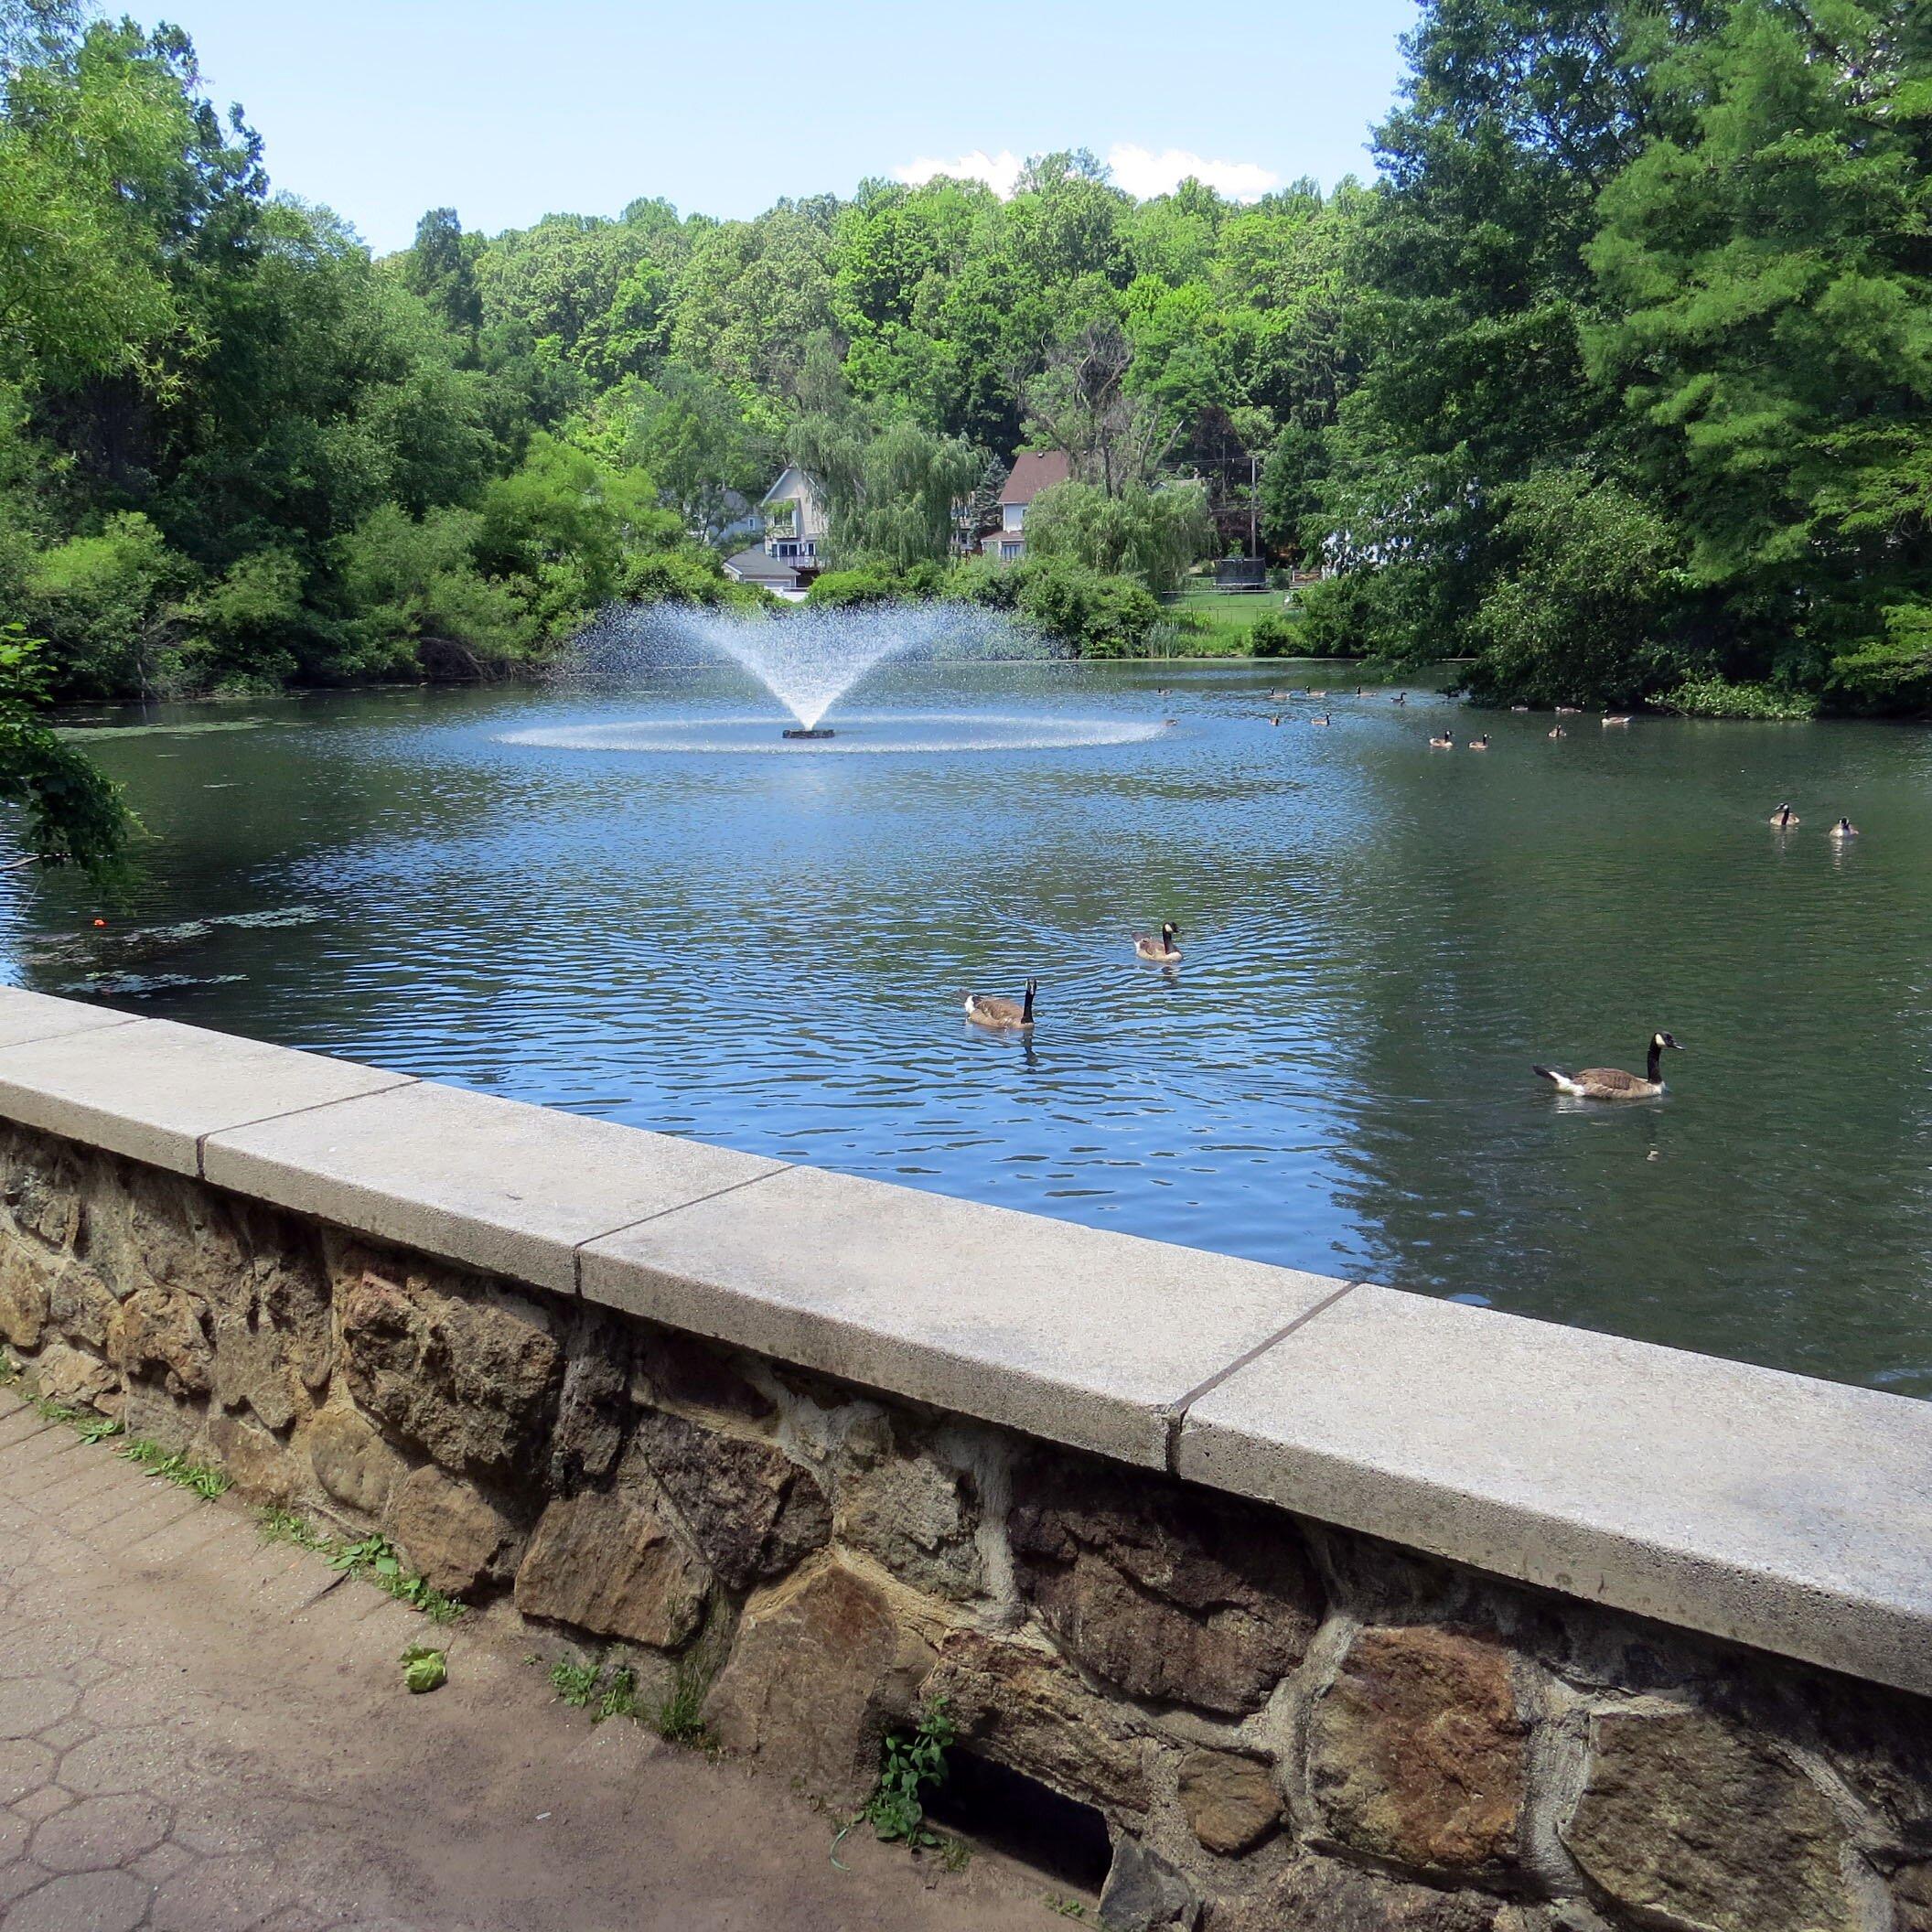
<point x="1284" y="1724"/>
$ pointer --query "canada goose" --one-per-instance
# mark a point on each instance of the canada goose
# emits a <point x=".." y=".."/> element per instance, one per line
<point x="1844" y="829"/>
<point x="1401" y="697"/>
<point x="1519" y="707"/>
<point x="1481" y="744"/>
<point x="1612" y="1083"/>
<point x="1276" y="719"/>
<point x="1556" y="731"/>
<point x="1784" y="818"/>
<point x="1323" y="718"/>
<point x="1358" y="691"/>
<point x="1569" y="711"/>
<point x="1281" y="693"/>
<point x="1160" y="951"/>
<point x="997" y="1013"/>
<point x="1164" y="690"/>
<point x="1614" y="717"/>
<point x="1315" y="693"/>
<point x="1444" y="743"/>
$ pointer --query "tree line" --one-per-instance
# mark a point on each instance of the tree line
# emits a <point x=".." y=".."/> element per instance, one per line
<point x="1615" y="384"/>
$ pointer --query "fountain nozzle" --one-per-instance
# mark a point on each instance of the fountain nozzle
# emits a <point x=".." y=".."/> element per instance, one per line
<point x="811" y="731"/>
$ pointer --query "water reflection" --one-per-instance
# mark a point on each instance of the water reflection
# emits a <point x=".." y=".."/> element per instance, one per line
<point x="766" y="952"/>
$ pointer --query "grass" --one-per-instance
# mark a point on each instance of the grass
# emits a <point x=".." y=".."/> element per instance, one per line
<point x="677" y="1717"/>
<point x="372" y="1560"/>
<point x="1064" y="1908"/>
<point x="284" y="1525"/>
<point x="1215" y="623"/>
<point x="169" y="1465"/>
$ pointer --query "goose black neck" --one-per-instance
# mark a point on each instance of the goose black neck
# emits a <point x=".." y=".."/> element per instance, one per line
<point x="1026" y="1009"/>
<point x="1656" y="1062"/>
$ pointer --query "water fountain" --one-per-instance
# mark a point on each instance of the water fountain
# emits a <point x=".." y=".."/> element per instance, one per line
<point x="809" y="660"/>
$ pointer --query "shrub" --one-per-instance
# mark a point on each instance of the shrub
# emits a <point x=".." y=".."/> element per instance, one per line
<point x="1715" y="697"/>
<point x="1275" y="636"/>
<point x="1095" y="616"/>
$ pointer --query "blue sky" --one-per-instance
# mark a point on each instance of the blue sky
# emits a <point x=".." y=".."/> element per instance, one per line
<point x="505" y="112"/>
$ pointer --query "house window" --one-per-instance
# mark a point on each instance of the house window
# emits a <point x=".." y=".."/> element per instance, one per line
<point x="1012" y="515"/>
<point x="1008" y="552"/>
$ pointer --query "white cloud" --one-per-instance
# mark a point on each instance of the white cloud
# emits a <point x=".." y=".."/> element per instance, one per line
<point x="999" y="172"/>
<point x="1141" y="171"/>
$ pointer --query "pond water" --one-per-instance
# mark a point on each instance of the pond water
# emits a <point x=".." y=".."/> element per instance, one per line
<point x="495" y="887"/>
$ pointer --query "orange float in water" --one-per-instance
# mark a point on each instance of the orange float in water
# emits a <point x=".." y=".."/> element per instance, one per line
<point x="99" y="922"/>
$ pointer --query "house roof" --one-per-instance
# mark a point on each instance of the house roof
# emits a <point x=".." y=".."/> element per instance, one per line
<point x="755" y="566"/>
<point x="787" y="474"/>
<point x="1033" y="471"/>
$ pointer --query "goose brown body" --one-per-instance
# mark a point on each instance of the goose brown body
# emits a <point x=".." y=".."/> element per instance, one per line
<point x="1612" y="1083"/>
<point x="1159" y="950"/>
<point x="997" y="1013"/>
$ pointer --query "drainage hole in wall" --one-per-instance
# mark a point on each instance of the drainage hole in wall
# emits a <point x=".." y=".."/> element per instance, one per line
<point x="1007" y="1811"/>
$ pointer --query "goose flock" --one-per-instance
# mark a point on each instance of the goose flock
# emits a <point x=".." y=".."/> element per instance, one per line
<point x="998" y="1014"/>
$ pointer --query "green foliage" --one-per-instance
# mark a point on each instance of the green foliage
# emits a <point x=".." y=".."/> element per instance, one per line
<point x="169" y="1465"/>
<point x="424" y="1669"/>
<point x="372" y="1559"/>
<point x="1091" y="615"/>
<point x="74" y="813"/>
<point x="913" y="1761"/>
<point x="1153" y="534"/>
<point x="284" y="1525"/>
<point x="1717" y="698"/>
<point x="1273" y="635"/>
<point x="678" y="1718"/>
<point x="575" y="1684"/>
<point x="1575" y="621"/>
<point x="1619" y="375"/>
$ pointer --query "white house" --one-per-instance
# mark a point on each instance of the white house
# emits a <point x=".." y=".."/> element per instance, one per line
<point x="1033" y="471"/>
<point x="787" y="560"/>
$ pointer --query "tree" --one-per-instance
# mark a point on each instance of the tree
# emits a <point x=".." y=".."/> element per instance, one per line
<point x="1153" y="534"/>
<point x="1081" y="402"/>
<point x="74" y="814"/>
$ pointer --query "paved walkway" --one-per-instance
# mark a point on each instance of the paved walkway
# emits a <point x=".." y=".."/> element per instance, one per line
<point x="202" y="1734"/>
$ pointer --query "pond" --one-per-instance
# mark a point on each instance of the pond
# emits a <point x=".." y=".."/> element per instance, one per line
<point x="495" y="887"/>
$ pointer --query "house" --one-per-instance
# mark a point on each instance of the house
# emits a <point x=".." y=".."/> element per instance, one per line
<point x="1033" y="471"/>
<point x="786" y="559"/>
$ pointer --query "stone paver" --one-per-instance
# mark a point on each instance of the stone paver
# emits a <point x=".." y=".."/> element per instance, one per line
<point x="197" y="1732"/>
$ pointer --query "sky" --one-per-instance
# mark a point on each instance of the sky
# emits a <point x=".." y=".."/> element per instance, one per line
<point x="507" y="110"/>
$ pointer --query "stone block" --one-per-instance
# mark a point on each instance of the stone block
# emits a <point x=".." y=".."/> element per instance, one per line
<point x="905" y="1505"/>
<point x="610" y="1563"/>
<point x="352" y="1463"/>
<point x="1231" y="1803"/>
<point x="454" y="1536"/>
<point x="1168" y="1592"/>
<point x="252" y="1459"/>
<point x="819" y="1672"/>
<point x="1695" y="1821"/>
<point x="26" y="1286"/>
<point x="1766" y="1508"/>
<point x="1321" y="1894"/>
<point x="492" y="1184"/>
<point x="40" y="1016"/>
<point x="466" y="1370"/>
<point x="62" y="1374"/>
<point x="1144" y="1893"/>
<point x="751" y="1511"/>
<point x="1020" y="1705"/>
<point x="159" y="1336"/>
<point x="1069" y="1333"/>
<point x="153" y="1089"/>
<point x="1417" y="1753"/>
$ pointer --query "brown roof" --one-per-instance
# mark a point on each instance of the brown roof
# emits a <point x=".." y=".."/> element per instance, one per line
<point x="1033" y="471"/>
